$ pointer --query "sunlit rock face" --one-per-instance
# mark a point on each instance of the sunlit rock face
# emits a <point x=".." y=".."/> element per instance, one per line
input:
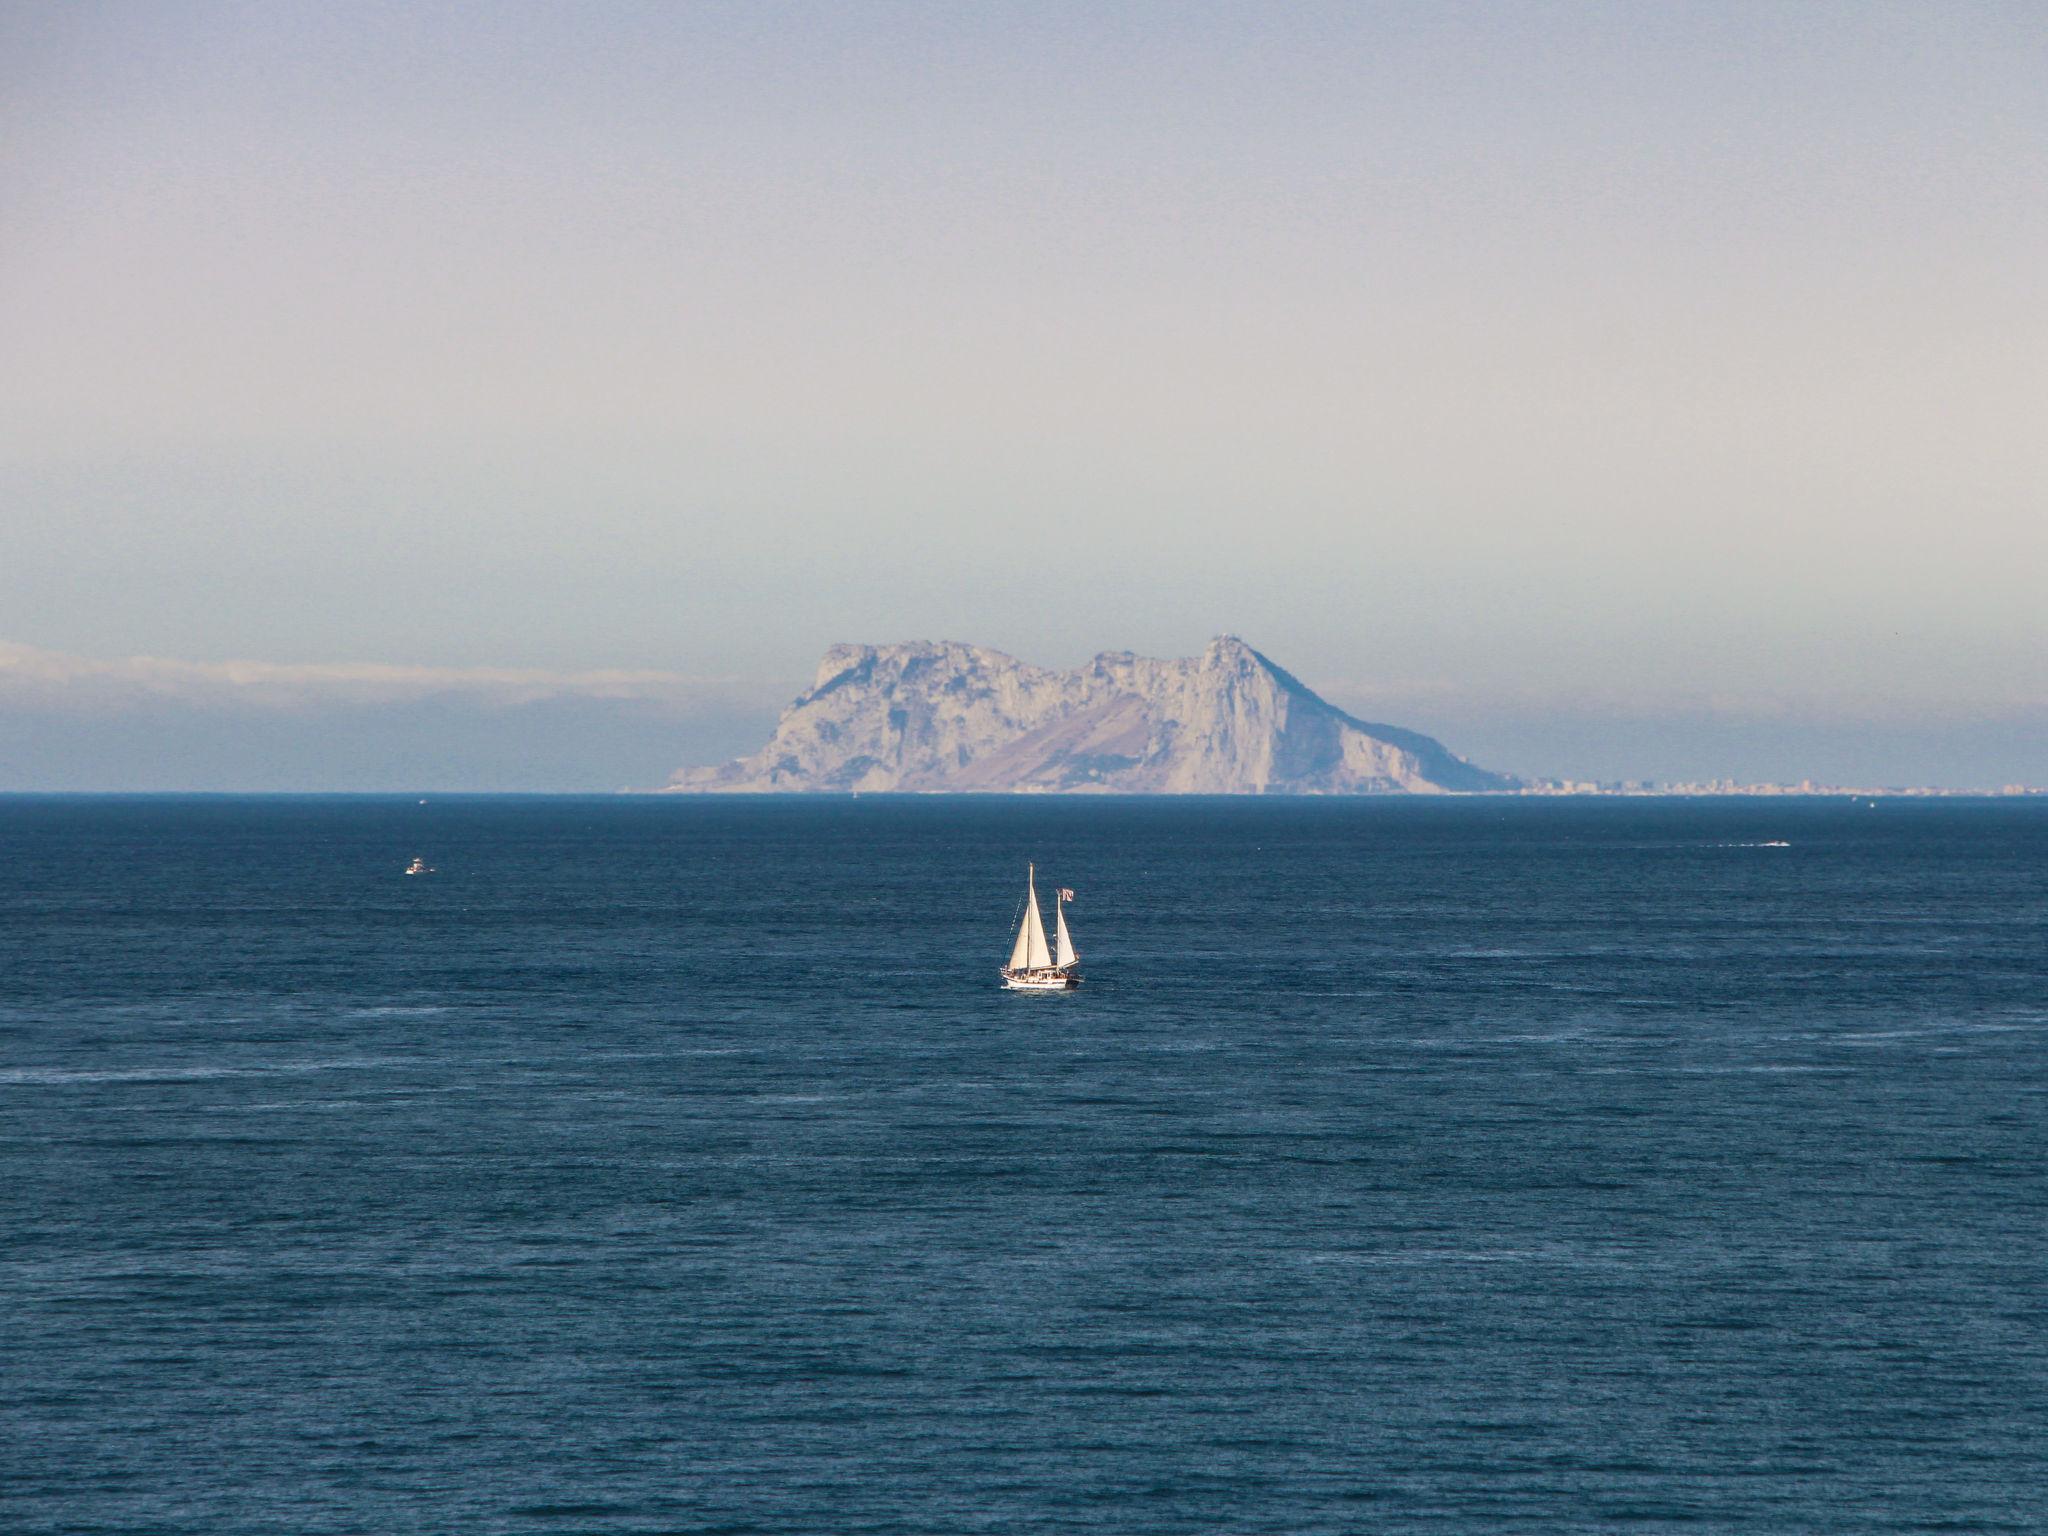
<point x="925" y="716"/>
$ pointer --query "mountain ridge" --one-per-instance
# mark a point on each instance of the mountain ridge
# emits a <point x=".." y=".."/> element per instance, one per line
<point x="948" y="716"/>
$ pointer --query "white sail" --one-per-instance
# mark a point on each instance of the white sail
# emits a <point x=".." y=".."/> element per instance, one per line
<point x="1029" y="953"/>
<point x="1063" y="951"/>
<point x="1020" y="952"/>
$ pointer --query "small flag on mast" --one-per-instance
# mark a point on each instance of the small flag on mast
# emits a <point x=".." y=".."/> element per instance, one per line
<point x="1065" y="894"/>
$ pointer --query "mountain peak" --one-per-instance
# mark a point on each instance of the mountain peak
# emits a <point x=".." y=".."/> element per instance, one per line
<point x="945" y="715"/>
<point x="1228" y="648"/>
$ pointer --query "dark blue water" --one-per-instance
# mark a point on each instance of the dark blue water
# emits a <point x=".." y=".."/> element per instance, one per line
<point x="677" y="1166"/>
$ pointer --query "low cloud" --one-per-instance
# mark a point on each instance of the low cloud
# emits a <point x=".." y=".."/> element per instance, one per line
<point x="70" y="722"/>
<point x="45" y="679"/>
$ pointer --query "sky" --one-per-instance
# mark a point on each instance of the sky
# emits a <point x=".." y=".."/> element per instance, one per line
<point x="1613" y="390"/>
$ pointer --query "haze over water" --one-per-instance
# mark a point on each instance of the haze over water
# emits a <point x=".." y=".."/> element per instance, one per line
<point x="677" y="1166"/>
<point x="412" y="394"/>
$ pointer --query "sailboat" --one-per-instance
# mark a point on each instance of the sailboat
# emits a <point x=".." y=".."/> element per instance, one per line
<point x="1032" y="968"/>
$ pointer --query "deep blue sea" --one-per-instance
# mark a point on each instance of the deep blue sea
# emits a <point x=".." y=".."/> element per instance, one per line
<point x="669" y="1165"/>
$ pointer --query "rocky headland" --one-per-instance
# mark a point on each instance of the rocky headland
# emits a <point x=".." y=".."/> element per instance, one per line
<point x="940" y="716"/>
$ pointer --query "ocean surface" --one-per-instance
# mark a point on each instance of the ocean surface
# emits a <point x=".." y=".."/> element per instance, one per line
<point x="677" y="1166"/>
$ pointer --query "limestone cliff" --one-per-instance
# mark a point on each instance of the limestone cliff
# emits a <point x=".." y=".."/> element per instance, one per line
<point x="945" y="716"/>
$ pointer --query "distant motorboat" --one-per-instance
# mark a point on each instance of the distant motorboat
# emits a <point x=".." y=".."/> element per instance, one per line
<point x="1032" y="967"/>
<point x="419" y="867"/>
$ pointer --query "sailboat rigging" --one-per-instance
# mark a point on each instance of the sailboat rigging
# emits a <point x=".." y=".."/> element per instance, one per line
<point x="1032" y="967"/>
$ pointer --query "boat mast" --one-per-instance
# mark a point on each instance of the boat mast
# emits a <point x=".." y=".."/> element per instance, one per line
<point x="1029" y="953"/>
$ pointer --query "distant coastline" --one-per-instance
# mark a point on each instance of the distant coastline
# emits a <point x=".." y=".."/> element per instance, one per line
<point x="949" y="717"/>
<point x="1728" y="788"/>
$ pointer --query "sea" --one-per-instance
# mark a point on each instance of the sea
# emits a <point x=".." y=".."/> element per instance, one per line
<point x="678" y="1165"/>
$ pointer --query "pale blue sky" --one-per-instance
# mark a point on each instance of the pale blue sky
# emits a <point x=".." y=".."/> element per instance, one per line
<point x="1614" y="363"/>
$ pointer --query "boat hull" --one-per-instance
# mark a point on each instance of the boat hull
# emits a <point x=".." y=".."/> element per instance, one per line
<point x="1040" y="981"/>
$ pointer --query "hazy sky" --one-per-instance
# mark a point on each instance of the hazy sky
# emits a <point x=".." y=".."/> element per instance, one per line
<point x="1622" y="364"/>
